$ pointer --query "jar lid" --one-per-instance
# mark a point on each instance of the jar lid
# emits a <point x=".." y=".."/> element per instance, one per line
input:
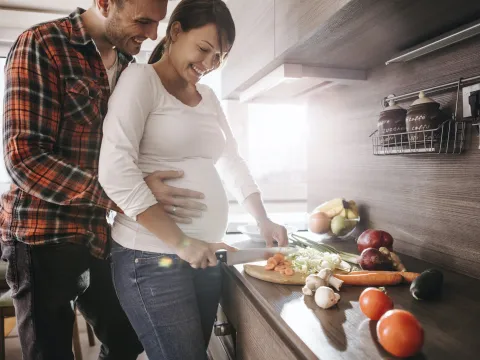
<point x="422" y="99"/>
<point x="392" y="106"/>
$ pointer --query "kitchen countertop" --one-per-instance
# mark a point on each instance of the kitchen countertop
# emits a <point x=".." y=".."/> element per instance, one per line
<point x="343" y="332"/>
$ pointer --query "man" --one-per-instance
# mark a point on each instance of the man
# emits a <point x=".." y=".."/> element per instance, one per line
<point x="59" y="76"/>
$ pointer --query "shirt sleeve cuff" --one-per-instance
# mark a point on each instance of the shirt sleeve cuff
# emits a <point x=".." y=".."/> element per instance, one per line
<point x="142" y="199"/>
<point x="244" y="192"/>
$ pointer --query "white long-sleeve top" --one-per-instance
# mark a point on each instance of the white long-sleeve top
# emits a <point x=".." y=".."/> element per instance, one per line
<point x="148" y="129"/>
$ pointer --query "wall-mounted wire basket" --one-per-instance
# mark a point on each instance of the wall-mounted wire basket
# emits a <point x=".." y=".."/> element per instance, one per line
<point x="448" y="138"/>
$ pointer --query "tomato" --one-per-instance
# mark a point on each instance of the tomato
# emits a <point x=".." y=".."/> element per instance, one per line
<point x="374" y="303"/>
<point x="400" y="333"/>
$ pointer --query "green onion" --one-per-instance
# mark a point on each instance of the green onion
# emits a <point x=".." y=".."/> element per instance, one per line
<point x="302" y="242"/>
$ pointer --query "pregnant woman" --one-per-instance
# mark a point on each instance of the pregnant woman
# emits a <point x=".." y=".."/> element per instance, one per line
<point x="166" y="274"/>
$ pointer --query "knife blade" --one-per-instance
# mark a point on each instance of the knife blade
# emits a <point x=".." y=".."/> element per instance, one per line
<point x="243" y="256"/>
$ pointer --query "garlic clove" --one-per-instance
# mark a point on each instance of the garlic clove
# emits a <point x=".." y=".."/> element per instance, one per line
<point x="307" y="291"/>
<point x="335" y="282"/>
<point x="337" y="298"/>
<point x="327" y="276"/>
<point x="313" y="282"/>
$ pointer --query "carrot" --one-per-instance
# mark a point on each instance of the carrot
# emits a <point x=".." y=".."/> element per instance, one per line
<point x="289" y="271"/>
<point x="278" y="263"/>
<point x="279" y="257"/>
<point x="269" y="266"/>
<point x="371" y="279"/>
<point x="273" y="261"/>
<point x="408" y="276"/>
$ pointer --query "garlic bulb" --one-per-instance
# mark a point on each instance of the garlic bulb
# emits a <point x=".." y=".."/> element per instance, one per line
<point x="325" y="297"/>
<point x="327" y="276"/>
<point x="312" y="283"/>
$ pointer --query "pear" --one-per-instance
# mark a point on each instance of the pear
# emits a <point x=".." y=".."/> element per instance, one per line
<point x="338" y="224"/>
<point x="341" y="226"/>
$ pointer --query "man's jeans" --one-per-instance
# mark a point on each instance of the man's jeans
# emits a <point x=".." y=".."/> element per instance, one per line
<point x="45" y="279"/>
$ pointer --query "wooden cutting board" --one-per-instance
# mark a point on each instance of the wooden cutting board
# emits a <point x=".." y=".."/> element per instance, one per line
<point x="259" y="272"/>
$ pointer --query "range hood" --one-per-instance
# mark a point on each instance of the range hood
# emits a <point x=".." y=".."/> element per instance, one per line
<point x="290" y="81"/>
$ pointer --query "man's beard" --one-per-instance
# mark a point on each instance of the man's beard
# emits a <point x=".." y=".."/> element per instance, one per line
<point x="114" y="35"/>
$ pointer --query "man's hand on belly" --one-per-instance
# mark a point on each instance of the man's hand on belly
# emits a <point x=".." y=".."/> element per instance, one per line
<point x="178" y="203"/>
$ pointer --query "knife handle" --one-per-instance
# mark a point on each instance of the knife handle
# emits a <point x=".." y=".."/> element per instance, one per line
<point x="221" y="255"/>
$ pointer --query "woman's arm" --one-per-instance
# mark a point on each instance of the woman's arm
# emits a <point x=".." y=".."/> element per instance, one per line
<point x="254" y="205"/>
<point x="237" y="177"/>
<point x="270" y="231"/>
<point x="123" y="126"/>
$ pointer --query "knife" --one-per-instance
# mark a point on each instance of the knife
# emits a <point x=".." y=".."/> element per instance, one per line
<point x="243" y="256"/>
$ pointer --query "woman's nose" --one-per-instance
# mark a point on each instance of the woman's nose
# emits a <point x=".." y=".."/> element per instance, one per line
<point x="210" y="61"/>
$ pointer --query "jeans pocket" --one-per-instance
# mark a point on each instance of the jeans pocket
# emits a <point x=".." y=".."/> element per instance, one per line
<point x="147" y="256"/>
<point x="11" y="275"/>
<point x="149" y="262"/>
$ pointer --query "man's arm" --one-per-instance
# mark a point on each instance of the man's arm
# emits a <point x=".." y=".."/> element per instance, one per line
<point x="32" y="116"/>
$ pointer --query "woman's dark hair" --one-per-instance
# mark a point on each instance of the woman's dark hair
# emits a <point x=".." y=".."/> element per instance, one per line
<point x="193" y="14"/>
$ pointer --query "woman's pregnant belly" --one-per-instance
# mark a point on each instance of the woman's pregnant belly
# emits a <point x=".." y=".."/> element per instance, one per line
<point x="199" y="175"/>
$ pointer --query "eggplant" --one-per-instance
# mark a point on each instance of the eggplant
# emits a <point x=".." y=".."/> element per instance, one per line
<point x="428" y="285"/>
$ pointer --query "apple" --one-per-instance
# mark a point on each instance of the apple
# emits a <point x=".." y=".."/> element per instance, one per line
<point x="319" y="223"/>
<point x="374" y="239"/>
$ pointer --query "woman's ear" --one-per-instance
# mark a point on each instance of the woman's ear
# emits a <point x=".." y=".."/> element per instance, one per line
<point x="175" y="30"/>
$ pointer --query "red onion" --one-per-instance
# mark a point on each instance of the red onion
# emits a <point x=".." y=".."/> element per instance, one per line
<point x="373" y="259"/>
<point x="374" y="239"/>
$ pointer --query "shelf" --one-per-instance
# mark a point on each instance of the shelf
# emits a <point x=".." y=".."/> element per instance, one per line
<point x="460" y="34"/>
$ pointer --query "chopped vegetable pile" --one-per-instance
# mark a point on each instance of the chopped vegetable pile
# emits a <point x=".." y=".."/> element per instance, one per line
<point x="313" y="257"/>
<point x="311" y="261"/>
<point x="278" y="263"/>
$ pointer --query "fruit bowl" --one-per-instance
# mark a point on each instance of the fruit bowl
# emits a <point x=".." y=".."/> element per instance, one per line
<point x="348" y="233"/>
<point x="336" y="218"/>
<point x="352" y="232"/>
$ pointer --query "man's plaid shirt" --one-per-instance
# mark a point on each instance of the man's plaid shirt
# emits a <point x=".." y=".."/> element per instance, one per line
<point x="56" y="96"/>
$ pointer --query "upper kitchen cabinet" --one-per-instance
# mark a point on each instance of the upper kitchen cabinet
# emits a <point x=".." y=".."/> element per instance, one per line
<point x="254" y="45"/>
<point x="296" y="20"/>
<point x="342" y="38"/>
<point x="266" y="29"/>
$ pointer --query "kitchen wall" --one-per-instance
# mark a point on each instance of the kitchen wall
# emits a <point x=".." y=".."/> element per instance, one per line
<point x="429" y="203"/>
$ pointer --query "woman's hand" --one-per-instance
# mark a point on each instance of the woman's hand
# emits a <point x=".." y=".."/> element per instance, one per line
<point x="200" y="254"/>
<point x="273" y="232"/>
<point x="177" y="202"/>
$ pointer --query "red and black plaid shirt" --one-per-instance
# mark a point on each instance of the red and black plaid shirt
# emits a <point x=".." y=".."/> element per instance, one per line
<point x="56" y="97"/>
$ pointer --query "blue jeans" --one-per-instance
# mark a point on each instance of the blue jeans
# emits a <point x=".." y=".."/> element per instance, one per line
<point x="45" y="279"/>
<point x="170" y="305"/>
